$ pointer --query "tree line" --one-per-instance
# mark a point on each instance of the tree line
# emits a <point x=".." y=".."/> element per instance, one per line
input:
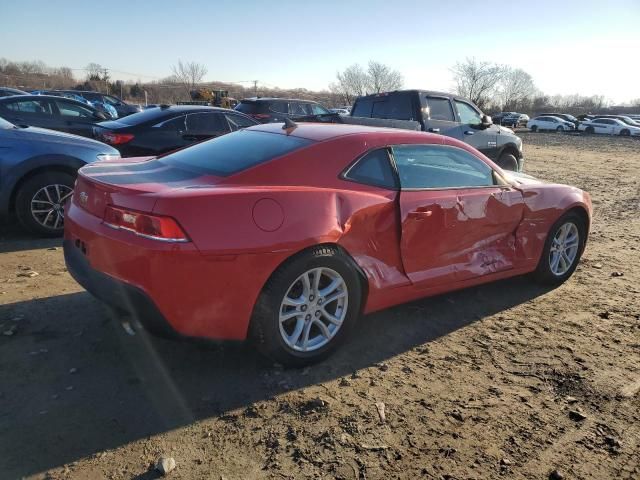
<point x="491" y="86"/>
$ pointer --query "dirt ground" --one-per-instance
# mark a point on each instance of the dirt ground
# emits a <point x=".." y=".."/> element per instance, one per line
<point x="508" y="380"/>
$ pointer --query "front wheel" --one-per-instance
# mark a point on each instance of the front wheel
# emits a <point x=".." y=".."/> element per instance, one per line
<point x="507" y="161"/>
<point x="560" y="129"/>
<point x="625" y="133"/>
<point x="534" y="128"/>
<point x="40" y="202"/>
<point x="307" y="307"/>
<point x="562" y="249"/>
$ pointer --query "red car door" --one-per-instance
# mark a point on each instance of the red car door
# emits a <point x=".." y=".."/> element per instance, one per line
<point x="458" y="222"/>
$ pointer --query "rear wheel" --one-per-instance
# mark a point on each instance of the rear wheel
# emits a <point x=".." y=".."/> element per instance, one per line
<point x="307" y="308"/>
<point x="507" y="161"/>
<point x="560" y="129"/>
<point x="562" y="249"/>
<point x="589" y="130"/>
<point x="40" y="202"/>
<point x="625" y="133"/>
<point x="534" y="128"/>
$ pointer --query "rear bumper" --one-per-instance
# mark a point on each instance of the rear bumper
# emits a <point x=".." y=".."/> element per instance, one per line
<point x="115" y="293"/>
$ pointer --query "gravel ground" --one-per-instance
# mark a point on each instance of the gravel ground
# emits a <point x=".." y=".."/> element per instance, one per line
<point x="508" y="380"/>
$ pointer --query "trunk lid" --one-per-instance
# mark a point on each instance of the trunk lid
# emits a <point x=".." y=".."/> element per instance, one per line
<point x="133" y="184"/>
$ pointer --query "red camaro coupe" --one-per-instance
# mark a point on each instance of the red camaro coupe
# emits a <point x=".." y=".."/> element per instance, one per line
<point x="287" y="234"/>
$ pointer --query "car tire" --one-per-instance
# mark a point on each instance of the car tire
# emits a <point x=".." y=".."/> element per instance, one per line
<point x="40" y="202"/>
<point x="508" y="161"/>
<point x="534" y="128"/>
<point x="561" y="255"/>
<point x="589" y="130"/>
<point x="560" y="129"/>
<point x="281" y="322"/>
<point x="625" y="133"/>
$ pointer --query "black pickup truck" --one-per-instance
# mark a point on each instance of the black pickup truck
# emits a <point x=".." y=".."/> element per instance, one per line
<point x="437" y="112"/>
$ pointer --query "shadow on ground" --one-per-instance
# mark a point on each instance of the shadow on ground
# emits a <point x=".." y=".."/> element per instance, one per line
<point x="73" y="382"/>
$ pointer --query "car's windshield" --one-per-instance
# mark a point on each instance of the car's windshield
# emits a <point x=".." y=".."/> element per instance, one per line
<point x="5" y="125"/>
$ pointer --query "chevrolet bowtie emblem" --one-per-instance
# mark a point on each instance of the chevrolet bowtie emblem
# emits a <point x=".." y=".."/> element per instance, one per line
<point x="83" y="198"/>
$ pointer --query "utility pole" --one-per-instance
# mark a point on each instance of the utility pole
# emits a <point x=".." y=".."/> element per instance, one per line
<point x="105" y="76"/>
<point x="255" y="87"/>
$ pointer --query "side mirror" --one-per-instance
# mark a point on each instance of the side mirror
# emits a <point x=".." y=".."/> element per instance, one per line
<point x="486" y="121"/>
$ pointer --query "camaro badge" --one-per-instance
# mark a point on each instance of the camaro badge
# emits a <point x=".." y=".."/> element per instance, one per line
<point x="83" y="198"/>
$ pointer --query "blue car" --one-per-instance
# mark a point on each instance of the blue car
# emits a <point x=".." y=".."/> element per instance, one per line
<point x="37" y="173"/>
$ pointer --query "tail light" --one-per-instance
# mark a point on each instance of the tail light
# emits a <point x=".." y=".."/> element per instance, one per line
<point x="116" y="138"/>
<point x="155" y="227"/>
<point x="260" y="116"/>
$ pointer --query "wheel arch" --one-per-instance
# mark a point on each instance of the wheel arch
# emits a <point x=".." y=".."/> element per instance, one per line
<point x="36" y="166"/>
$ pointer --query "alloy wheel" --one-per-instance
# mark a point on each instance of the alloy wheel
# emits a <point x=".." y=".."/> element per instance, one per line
<point x="47" y="205"/>
<point x="313" y="309"/>
<point x="564" y="249"/>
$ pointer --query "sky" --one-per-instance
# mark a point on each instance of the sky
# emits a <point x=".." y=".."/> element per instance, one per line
<point x="573" y="46"/>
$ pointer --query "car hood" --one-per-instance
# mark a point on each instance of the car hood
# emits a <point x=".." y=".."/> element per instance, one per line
<point x="53" y="136"/>
<point x="521" y="178"/>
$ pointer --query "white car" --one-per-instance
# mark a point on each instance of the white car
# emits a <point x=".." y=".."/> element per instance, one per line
<point x="340" y="111"/>
<point x="547" y="122"/>
<point x="610" y="126"/>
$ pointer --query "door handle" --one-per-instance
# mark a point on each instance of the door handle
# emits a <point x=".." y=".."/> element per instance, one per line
<point x="434" y="130"/>
<point x="419" y="214"/>
<point x="469" y="132"/>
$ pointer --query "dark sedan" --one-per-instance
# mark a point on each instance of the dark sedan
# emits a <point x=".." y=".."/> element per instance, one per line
<point x="37" y="172"/>
<point x="166" y="128"/>
<point x="55" y="113"/>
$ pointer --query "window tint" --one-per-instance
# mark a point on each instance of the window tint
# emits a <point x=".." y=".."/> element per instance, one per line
<point x="42" y="107"/>
<point x="177" y="124"/>
<point x="373" y="169"/>
<point x="467" y="113"/>
<point x="440" y="109"/>
<point x="317" y="109"/>
<point x="205" y="123"/>
<point x="238" y="121"/>
<point x="93" y="97"/>
<point x="279" y="106"/>
<point x="111" y="100"/>
<point x="249" y="108"/>
<point x="421" y="166"/>
<point x="298" y="108"/>
<point x="234" y="152"/>
<point x="362" y="108"/>
<point x="68" y="109"/>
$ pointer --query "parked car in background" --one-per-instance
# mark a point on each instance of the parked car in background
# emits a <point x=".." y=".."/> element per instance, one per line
<point x="49" y="111"/>
<point x="563" y="116"/>
<point x="339" y="111"/>
<point x="515" y="120"/>
<point x="626" y="119"/>
<point x="105" y="108"/>
<point x="37" y="172"/>
<point x="285" y="236"/>
<point x="166" y="128"/>
<point x="498" y="117"/>
<point x="8" y="92"/>
<point x="267" y="109"/>
<point x="610" y="126"/>
<point x="549" y="123"/>
<point x="442" y="113"/>
<point x="122" y="108"/>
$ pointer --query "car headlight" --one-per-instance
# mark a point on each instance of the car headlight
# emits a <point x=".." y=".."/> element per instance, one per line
<point x="108" y="157"/>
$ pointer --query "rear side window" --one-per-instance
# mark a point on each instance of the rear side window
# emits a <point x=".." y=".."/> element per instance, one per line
<point x="373" y="169"/>
<point x="238" y="121"/>
<point x="205" y="123"/>
<point x="30" y="106"/>
<point x="249" y="108"/>
<point x="440" y="109"/>
<point x="468" y="114"/>
<point x="68" y="109"/>
<point x="297" y="108"/>
<point x="232" y="153"/>
<point x="279" y="106"/>
<point x="362" y="108"/>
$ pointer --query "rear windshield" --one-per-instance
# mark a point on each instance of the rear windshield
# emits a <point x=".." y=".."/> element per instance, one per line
<point x="234" y="152"/>
<point x="251" y="108"/>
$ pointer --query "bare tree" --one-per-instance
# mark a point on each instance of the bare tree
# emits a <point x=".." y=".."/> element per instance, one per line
<point x="94" y="71"/>
<point x="350" y="84"/>
<point x="355" y="81"/>
<point x="516" y="88"/>
<point x="189" y="74"/>
<point x="478" y="81"/>
<point x="382" y="78"/>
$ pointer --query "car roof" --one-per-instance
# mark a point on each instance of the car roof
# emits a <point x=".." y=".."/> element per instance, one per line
<point x="327" y="131"/>
<point x="40" y="97"/>
<point x="427" y="92"/>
